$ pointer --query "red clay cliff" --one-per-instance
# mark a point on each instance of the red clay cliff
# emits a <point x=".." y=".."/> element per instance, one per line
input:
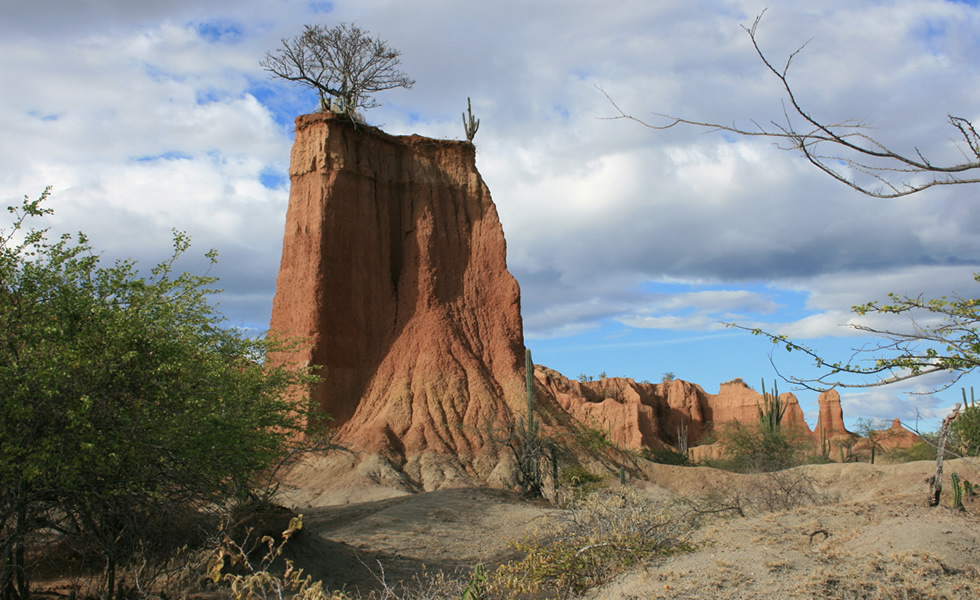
<point x="394" y="270"/>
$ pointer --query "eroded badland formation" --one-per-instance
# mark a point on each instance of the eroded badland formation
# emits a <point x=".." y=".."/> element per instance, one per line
<point x="394" y="268"/>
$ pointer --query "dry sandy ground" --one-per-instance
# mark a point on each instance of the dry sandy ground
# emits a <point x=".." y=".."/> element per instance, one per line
<point x="876" y="538"/>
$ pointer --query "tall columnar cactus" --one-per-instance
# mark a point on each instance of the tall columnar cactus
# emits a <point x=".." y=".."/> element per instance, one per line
<point x="682" y="446"/>
<point x="772" y="414"/>
<point x="528" y="448"/>
<point x="957" y="491"/>
<point x="532" y="426"/>
<point x="470" y="124"/>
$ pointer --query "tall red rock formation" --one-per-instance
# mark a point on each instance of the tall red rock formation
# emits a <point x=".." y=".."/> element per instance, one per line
<point x="394" y="270"/>
<point x="830" y="422"/>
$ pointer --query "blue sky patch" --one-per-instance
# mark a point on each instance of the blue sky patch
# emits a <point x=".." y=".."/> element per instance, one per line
<point x="285" y="102"/>
<point x="171" y="155"/>
<point x="319" y="7"/>
<point x="220" y="31"/>
<point x="272" y="179"/>
<point x="210" y="96"/>
<point x="48" y="117"/>
<point x="159" y="75"/>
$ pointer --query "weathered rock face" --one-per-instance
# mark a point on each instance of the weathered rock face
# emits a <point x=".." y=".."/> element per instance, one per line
<point x="897" y="436"/>
<point x="830" y="422"/>
<point x="638" y="415"/>
<point x="394" y="268"/>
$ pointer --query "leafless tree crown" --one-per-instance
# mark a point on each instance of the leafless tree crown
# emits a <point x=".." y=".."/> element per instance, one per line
<point x="342" y="63"/>
<point x="845" y="150"/>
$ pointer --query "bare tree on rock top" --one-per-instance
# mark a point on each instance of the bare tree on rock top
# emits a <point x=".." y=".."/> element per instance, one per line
<point x="846" y="150"/>
<point x="344" y="64"/>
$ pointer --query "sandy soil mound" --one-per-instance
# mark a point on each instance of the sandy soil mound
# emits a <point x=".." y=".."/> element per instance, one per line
<point x="353" y="546"/>
<point x="876" y="538"/>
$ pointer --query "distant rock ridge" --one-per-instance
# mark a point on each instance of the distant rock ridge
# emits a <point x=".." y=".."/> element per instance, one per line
<point x="655" y="415"/>
<point x="394" y="268"/>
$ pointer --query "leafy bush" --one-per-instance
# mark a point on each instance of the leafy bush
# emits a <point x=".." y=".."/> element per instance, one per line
<point x="755" y="449"/>
<point x="666" y="456"/>
<point x="594" y="440"/>
<point x="966" y="430"/>
<point x="122" y="398"/>
<point x="920" y="450"/>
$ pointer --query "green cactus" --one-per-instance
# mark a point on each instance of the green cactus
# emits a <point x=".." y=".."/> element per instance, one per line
<point x="957" y="492"/>
<point x="529" y="382"/>
<point x="772" y="415"/>
<point x="528" y="449"/>
<point x="470" y="124"/>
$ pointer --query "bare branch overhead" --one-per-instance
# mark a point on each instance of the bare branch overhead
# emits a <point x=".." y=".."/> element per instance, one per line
<point x="837" y="148"/>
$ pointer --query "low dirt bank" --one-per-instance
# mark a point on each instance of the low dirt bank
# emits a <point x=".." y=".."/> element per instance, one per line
<point x="872" y="536"/>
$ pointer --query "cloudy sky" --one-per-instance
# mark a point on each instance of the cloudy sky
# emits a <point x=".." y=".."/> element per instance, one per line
<point x="631" y="245"/>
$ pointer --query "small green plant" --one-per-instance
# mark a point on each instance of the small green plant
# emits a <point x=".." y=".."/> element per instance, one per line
<point x="470" y="123"/>
<point x="578" y="476"/>
<point x="668" y="377"/>
<point x="477" y="587"/>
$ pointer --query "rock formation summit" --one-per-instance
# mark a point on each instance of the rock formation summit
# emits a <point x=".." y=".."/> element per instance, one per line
<point x="394" y="270"/>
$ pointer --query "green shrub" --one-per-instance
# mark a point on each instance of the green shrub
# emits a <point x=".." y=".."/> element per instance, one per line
<point x="594" y="440"/>
<point x="122" y="397"/>
<point x="758" y="449"/>
<point x="918" y="451"/>
<point x="966" y="431"/>
<point x="666" y="456"/>
<point x="579" y="480"/>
